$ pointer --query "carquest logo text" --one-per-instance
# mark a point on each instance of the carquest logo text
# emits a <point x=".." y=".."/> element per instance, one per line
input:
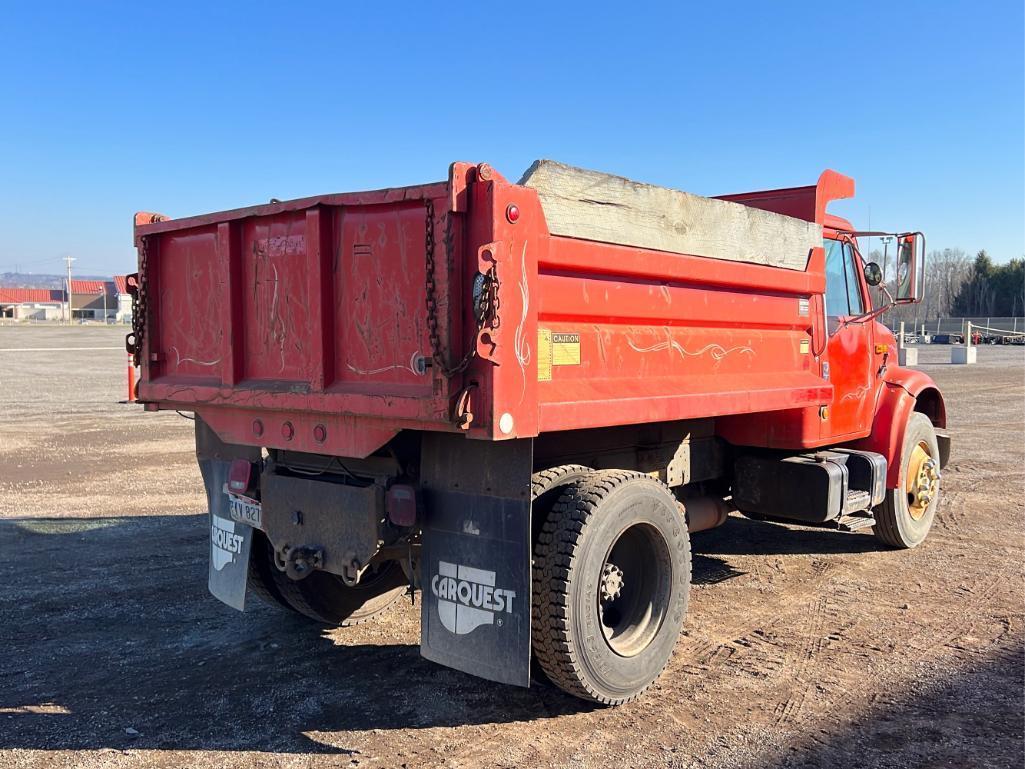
<point x="225" y="544"/>
<point x="467" y="597"/>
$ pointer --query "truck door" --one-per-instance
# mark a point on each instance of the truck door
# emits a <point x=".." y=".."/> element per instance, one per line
<point x="849" y="349"/>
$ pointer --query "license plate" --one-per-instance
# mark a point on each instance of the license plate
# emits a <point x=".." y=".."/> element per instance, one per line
<point x="245" y="510"/>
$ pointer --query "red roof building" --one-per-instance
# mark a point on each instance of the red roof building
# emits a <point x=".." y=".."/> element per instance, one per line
<point x="87" y="286"/>
<point x="31" y="303"/>
<point x="90" y="300"/>
<point x="31" y="296"/>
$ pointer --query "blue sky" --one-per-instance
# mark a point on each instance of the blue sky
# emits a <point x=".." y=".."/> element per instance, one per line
<point x="106" y="109"/>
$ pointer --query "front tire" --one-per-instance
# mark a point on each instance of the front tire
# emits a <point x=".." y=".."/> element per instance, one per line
<point x="905" y="516"/>
<point x="611" y="583"/>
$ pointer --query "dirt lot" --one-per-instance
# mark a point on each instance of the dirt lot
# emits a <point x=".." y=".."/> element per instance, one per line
<point x="804" y="647"/>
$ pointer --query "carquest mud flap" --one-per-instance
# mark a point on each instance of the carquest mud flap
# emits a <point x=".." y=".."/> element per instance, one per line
<point x="475" y="566"/>
<point x="230" y="542"/>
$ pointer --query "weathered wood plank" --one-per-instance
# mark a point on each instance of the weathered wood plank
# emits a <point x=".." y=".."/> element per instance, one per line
<point x="590" y="205"/>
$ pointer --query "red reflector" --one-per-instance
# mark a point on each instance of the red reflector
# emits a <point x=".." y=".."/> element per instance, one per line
<point x="512" y="213"/>
<point x="400" y="504"/>
<point x="239" y="475"/>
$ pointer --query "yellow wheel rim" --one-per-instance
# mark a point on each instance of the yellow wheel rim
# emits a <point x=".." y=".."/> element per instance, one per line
<point x="922" y="480"/>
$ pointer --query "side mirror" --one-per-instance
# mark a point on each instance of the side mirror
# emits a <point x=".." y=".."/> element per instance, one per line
<point x="873" y="274"/>
<point x="910" y="266"/>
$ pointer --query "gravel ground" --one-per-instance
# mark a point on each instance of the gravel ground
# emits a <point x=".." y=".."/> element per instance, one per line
<point x="804" y="647"/>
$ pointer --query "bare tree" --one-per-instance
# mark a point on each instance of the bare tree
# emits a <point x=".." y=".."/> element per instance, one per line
<point x="945" y="272"/>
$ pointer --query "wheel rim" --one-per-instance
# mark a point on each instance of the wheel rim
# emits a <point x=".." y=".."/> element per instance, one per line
<point x="922" y="481"/>
<point x="633" y="589"/>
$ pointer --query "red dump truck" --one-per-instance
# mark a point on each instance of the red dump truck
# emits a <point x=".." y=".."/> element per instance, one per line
<point x="521" y="399"/>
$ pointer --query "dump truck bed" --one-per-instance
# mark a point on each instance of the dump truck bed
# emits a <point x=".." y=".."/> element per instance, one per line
<point x="331" y="323"/>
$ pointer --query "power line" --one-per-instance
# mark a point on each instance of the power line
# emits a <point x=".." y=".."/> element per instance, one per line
<point x="19" y="265"/>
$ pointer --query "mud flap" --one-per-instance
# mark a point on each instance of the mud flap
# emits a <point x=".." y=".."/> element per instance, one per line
<point x="230" y="542"/>
<point x="475" y="564"/>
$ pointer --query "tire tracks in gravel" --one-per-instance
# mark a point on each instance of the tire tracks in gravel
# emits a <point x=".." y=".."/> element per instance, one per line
<point x="753" y="635"/>
<point x="823" y="612"/>
<point x="825" y="624"/>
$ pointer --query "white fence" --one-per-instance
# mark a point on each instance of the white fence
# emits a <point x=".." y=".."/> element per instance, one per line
<point x="935" y="326"/>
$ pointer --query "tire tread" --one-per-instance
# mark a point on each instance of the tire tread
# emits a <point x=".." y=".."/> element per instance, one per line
<point x="556" y="559"/>
<point x="888" y="512"/>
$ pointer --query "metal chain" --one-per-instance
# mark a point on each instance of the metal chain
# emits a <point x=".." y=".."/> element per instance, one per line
<point x="137" y="288"/>
<point x="483" y="311"/>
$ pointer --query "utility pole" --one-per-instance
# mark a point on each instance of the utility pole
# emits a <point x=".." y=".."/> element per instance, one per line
<point x="69" y="260"/>
<point x="886" y="239"/>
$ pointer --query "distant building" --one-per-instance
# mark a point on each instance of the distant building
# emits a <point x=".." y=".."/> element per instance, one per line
<point x="124" y="299"/>
<point x="31" y="303"/>
<point x="93" y="300"/>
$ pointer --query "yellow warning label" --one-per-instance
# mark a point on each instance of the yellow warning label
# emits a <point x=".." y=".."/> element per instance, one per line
<point x="555" y="349"/>
<point x="544" y="355"/>
<point x="565" y="349"/>
<point x="805" y="346"/>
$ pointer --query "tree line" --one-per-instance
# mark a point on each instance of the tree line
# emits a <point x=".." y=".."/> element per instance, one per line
<point x="959" y="286"/>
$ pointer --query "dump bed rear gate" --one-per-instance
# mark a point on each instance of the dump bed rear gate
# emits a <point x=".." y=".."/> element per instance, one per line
<point x="316" y="306"/>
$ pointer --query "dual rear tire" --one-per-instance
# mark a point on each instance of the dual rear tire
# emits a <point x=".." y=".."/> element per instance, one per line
<point x="323" y="596"/>
<point x="611" y="583"/>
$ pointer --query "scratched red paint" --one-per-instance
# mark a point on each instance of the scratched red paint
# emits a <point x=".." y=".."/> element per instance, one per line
<point x="378" y="288"/>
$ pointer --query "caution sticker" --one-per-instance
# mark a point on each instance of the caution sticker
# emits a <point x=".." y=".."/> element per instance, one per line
<point x="805" y="346"/>
<point x="565" y="349"/>
<point x="556" y="349"/>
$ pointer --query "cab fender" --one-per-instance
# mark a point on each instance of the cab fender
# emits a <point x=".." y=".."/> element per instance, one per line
<point x="904" y="391"/>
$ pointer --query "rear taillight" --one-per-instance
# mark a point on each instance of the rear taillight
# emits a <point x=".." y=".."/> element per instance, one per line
<point x="400" y="504"/>
<point x="240" y="475"/>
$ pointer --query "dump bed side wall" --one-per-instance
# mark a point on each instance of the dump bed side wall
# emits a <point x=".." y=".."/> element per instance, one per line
<point x="628" y="335"/>
<point x="686" y="338"/>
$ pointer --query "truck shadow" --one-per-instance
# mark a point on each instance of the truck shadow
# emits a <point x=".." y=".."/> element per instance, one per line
<point x="970" y="718"/>
<point x="107" y="628"/>
<point x="111" y="641"/>
<point x="710" y="550"/>
<point x="744" y="536"/>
